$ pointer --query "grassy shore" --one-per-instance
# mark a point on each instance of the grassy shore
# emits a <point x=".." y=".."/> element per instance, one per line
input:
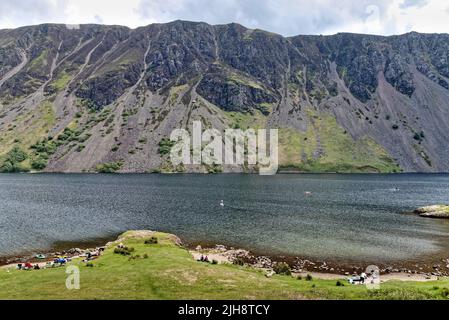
<point x="168" y="271"/>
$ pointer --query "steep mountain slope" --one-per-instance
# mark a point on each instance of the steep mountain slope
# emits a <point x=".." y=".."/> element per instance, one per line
<point x="106" y="98"/>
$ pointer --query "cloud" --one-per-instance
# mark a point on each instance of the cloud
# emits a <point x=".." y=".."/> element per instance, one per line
<point x="413" y="3"/>
<point x="287" y="17"/>
<point x="15" y="13"/>
<point x="98" y="19"/>
<point x="27" y="12"/>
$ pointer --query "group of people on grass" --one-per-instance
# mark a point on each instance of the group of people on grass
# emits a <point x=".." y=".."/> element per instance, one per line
<point x="59" y="261"/>
<point x="204" y="259"/>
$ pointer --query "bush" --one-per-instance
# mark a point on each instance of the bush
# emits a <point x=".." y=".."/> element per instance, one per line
<point x="238" y="262"/>
<point x="17" y="155"/>
<point x="125" y="251"/>
<point x="39" y="164"/>
<point x="109" y="167"/>
<point x="340" y="284"/>
<point x="67" y="134"/>
<point x="152" y="240"/>
<point x="89" y="265"/>
<point x="282" y="268"/>
<point x="309" y="277"/>
<point x="445" y="293"/>
<point x="46" y="146"/>
<point x="145" y="256"/>
<point x="13" y="159"/>
<point x="84" y="138"/>
<point x="165" y="146"/>
<point x="419" y="136"/>
<point x="214" y="261"/>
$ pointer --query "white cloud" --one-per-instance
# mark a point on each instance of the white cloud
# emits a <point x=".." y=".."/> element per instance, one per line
<point x="287" y="17"/>
<point x="413" y="3"/>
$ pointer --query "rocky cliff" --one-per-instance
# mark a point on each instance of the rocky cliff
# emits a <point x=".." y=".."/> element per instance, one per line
<point x="105" y="98"/>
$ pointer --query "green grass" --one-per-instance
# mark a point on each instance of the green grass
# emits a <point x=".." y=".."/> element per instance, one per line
<point x="28" y="128"/>
<point x="239" y="79"/>
<point x="62" y="81"/>
<point x="339" y="152"/>
<point x="39" y="61"/>
<point x="122" y="63"/>
<point x="170" y="272"/>
<point x="244" y="121"/>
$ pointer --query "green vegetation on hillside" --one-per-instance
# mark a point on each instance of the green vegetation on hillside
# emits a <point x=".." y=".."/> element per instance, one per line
<point x="162" y="270"/>
<point x="14" y="160"/>
<point x="28" y="128"/>
<point x="42" y="151"/>
<point x="62" y="81"/>
<point x="327" y="147"/>
<point x="111" y="167"/>
<point x="165" y="146"/>
<point x="40" y="61"/>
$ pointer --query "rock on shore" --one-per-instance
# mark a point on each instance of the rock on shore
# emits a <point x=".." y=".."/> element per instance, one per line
<point x="436" y="211"/>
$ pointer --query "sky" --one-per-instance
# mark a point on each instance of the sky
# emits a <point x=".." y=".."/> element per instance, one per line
<point x="286" y="17"/>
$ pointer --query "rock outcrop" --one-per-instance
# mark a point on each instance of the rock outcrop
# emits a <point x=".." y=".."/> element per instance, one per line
<point x="436" y="211"/>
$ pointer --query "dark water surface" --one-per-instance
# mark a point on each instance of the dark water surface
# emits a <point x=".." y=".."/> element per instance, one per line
<point x="348" y="217"/>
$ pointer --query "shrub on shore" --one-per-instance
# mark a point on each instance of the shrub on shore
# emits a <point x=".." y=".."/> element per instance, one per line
<point x="282" y="268"/>
<point x="12" y="161"/>
<point x="109" y="167"/>
<point x="238" y="262"/>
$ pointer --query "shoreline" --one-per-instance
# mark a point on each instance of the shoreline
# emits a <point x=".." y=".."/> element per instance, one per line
<point x="426" y="270"/>
<point x="437" y="267"/>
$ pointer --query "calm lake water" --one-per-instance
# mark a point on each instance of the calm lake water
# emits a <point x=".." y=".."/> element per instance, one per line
<point x="348" y="217"/>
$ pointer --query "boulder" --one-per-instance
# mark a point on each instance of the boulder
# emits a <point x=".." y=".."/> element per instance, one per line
<point x="436" y="211"/>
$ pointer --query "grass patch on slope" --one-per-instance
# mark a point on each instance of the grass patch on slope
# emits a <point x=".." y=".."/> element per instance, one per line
<point x="327" y="147"/>
<point x="244" y="121"/>
<point x="28" y="129"/>
<point x="62" y="81"/>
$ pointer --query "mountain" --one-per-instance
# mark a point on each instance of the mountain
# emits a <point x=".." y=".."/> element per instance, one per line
<point x="106" y="98"/>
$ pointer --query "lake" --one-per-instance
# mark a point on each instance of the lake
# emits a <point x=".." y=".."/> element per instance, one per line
<point x="346" y="217"/>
